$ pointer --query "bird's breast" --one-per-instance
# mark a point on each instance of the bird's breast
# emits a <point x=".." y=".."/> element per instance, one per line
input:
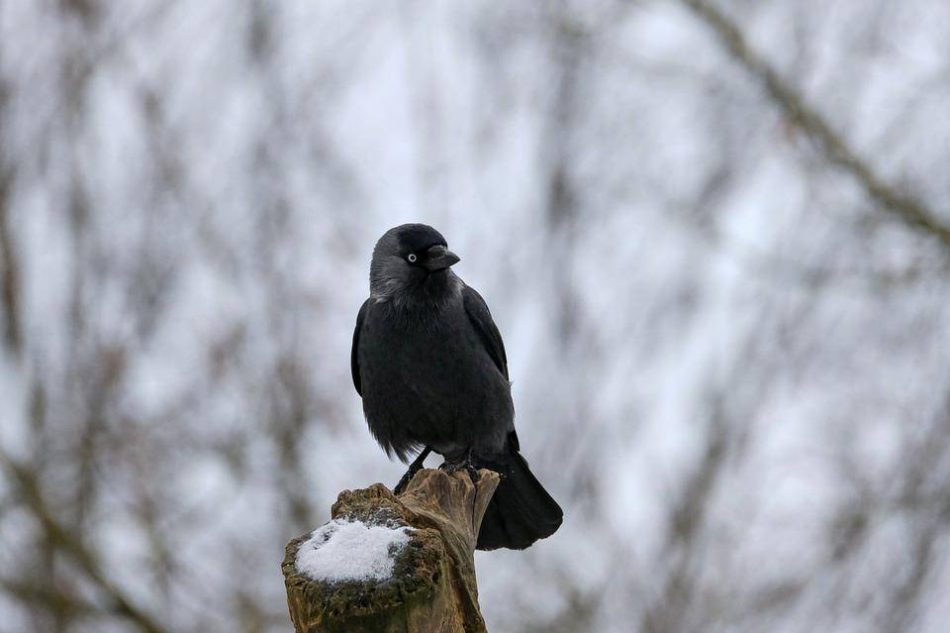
<point x="431" y="377"/>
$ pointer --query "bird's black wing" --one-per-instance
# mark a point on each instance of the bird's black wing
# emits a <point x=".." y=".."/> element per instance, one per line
<point x="354" y="355"/>
<point x="479" y="315"/>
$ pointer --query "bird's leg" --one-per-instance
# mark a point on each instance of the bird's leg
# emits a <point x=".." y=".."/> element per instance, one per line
<point x="471" y="467"/>
<point x="414" y="467"/>
<point x="467" y="462"/>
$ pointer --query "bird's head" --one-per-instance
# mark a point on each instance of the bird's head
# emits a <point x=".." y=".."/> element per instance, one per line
<point x="412" y="261"/>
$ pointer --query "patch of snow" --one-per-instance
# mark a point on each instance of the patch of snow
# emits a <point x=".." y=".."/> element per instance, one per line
<point x="351" y="550"/>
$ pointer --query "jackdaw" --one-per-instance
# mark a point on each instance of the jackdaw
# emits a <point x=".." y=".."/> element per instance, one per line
<point x="430" y="365"/>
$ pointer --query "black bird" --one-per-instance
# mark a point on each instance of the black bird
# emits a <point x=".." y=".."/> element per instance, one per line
<point x="431" y="368"/>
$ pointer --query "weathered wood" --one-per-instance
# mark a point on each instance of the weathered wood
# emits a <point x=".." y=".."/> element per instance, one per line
<point x="432" y="588"/>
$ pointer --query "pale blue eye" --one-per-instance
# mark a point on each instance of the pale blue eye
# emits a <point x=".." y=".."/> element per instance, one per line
<point x="412" y="258"/>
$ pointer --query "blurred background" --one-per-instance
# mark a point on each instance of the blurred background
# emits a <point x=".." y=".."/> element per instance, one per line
<point x="715" y="235"/>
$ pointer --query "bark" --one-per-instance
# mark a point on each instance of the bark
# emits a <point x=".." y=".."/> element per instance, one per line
<point x="432" y="588"/>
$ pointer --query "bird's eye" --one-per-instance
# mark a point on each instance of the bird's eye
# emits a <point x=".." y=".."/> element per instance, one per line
<point x="412" y="258"/>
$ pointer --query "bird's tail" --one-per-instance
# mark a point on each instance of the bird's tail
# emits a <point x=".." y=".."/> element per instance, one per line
<point x="521" y="510"/>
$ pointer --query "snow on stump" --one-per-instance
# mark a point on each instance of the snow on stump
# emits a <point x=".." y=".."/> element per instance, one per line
<point x="392" y="564"/>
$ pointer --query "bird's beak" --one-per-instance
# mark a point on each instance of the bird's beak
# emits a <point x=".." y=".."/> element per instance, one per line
<point x="439" y="258"/>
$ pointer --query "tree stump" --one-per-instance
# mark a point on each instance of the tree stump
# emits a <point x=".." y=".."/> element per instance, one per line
<point x="393" y="564"/>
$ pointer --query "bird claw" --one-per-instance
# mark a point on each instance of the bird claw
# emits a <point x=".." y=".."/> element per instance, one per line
<point x="466" y="464"/>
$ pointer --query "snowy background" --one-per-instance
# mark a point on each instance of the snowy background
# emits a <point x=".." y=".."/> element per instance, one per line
<point x="715" y="235"/>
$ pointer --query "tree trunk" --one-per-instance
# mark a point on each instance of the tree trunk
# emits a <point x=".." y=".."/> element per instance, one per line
<point x="431" y="585"/>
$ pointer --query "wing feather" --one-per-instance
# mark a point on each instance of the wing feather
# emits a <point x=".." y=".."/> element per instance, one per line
<point x="354" y="352"/>
<point x="481" y="319"/>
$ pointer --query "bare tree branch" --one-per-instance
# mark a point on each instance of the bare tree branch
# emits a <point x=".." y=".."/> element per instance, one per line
<point x="119" y="603"/>
<point x="688" y="517"/>
<point x="9" y="264"/>
<point x="42" y="595"/>
<point x="903" y="206"/>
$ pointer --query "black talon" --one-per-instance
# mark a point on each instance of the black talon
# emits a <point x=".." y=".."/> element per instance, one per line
<point x="473" y="473"/>
<point x="471" y="467"/>
<point x="467" y="463"/>
<point x="414" y="467"/>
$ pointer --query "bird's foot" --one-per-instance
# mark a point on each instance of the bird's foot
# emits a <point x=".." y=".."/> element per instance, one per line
<point x="414" y="467"/>
<point x="467" y="463"/>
